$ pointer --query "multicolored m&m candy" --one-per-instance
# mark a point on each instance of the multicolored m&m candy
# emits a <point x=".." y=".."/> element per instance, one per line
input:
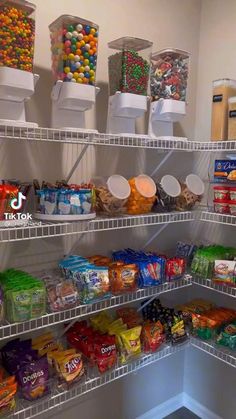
<point x="74" y="50"/>
<point x="17" y="34"/>
<point x="129" y="69"/>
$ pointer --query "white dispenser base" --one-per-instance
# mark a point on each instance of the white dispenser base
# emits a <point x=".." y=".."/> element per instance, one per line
<point x="16" y="86"/>
<point x="163" y="113"/>
<point x="123" y="109"/>
<point x="69" y="103"/>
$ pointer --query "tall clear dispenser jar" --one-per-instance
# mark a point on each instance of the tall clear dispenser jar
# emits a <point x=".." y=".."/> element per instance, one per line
<point x="223" y="89"/>
<point x="232" y="118"/>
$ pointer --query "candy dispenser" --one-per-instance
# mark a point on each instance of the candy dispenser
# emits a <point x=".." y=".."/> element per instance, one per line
<point x="17" y="81"/>
<point x="129" y="69"/>
<point x="74" y="43"/>
<point x="168" y="85"/>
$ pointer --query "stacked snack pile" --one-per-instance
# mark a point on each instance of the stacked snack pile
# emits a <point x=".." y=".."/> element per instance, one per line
<point x="169" y="75"/>
<point x="64" y="199"/>
<point x="17" y="33"/>
<point x="210" y="322"/>
<point x="217" y="263"/>
<point x="225" y="193"/>
<point x="74" y="50"/>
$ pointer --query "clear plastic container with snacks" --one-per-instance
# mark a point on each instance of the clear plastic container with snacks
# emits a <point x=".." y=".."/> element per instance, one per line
<point x="17" y="34"/>
<point x="143" y="195"/>
<point x="168" y="189"/>
<point x="169" y="74"/>
<point x="232" y="118"/>
<point x="223" y="89"/>
<point x="112" y="194"/>
<point x="74" y="43"/>
<point x="129" y="66"/>
<point x="191" y="193"/>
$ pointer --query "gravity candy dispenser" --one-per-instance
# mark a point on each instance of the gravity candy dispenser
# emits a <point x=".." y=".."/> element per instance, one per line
<point x="168" y="85"/>
<point x="129" y="70"/>
<point x="74" y="43"/>
<point x="17" y="81"/>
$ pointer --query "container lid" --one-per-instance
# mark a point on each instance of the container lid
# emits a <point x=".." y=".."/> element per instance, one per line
<point x="171" y="186"/>
<point x="146" y="186"/>
<point x="220" y="188"/>
<point x="224" y="82"/>
<point x="195" y="184"/>
<point x="118" y="186"/>
<point x="21" y="4"/>
<point x="68" y="19"/>
<point x="232" y="99"/>
<point x="156" y="55"/>
<point x="129" y="42"/>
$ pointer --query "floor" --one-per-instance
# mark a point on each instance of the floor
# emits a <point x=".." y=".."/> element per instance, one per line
<point x="182" y="413"/>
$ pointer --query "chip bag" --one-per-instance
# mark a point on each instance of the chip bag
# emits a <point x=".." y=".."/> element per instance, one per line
<point x="70" y="367"/>
<point x="152" y="336"/>
<point x="130" y="343"/>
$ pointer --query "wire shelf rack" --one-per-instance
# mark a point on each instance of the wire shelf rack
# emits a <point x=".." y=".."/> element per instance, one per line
<point x="60" y="398"/>
<point x="208" y="283"/>
<point x="219" y="352"/>
<point x="11" y="330"/>
<point x="101" y="139"/>
<point x="213" y="217"/>
<point x="91" y="138"/>
<point x="36" y="229"/>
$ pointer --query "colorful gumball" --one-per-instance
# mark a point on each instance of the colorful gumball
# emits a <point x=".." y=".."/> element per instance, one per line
<point x="74" y="50"/>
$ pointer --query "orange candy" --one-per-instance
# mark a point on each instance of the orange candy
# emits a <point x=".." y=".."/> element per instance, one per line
<point x="85" y="80"/>
<point x="78" y="52"/>
<point x="91" y="52"/>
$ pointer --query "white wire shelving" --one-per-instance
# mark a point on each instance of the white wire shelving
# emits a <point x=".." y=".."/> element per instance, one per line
<point x="219" y="352"/>
<point x="11" y="330"/>
<point x="97" y="139"/>
<point x="60" y="398"/>
<point x="213" y="217"/>
<point x="208" y="283"/>
<point x="37" y="230"/>
<point x="101" y="139"/>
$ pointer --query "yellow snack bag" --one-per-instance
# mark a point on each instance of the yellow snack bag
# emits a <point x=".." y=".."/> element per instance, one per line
<point x="39" y="339"/>
<point x="101" y="321"/>
<point x="130" y="343"/>
<point x="70" y="367"/>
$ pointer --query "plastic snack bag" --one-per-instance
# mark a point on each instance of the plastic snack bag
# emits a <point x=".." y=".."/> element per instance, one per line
<point x="130" y="343"/>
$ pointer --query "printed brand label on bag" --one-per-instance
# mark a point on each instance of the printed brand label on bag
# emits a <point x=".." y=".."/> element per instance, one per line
<point x="217" y="98"/>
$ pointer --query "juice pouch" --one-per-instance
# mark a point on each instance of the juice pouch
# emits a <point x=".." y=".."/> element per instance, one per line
<point x="70" y="367"/>
<point x="131" y="343"/>
<point x="21" y="305"/>
<point x="38" y="307"/>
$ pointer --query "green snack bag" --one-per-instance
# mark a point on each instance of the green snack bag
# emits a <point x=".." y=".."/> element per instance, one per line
<point x="21" y="305"/>
<point x="38" y="300"/>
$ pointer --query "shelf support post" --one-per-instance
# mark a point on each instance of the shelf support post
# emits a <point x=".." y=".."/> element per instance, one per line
<point x="81" y="155"/>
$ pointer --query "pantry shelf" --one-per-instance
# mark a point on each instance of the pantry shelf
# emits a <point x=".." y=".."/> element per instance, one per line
<point x="213" y="217"/>
<point x="207" y="283"/>
<point x="60" y="398"/>
<point x="218" y="352"/>
<point x="217" y="146"/>
<point x="91" y="138"/>
<point x="37" y="230"/>
<point x="52" y="319"/>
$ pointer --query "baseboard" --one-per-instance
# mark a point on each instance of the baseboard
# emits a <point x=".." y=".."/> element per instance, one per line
<point x="175" y="403"/>
<point x="164" y="409"/>
<point x="198" y="408"/>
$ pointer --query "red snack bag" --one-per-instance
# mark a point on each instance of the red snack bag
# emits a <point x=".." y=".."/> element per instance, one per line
<point x="105" y="354"/>
<point x="152" y="336"/>
<point x="175" y="268"/>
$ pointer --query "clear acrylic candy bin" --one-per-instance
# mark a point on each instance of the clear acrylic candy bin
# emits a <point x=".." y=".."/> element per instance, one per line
<point x="129" y="66"/>
<point x="74" y="49"/>
<point x="169" y="74"/>
<point x="17" y="34"/>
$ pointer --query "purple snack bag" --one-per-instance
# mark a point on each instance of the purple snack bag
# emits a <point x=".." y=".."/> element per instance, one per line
<point x="33" y="379"/>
